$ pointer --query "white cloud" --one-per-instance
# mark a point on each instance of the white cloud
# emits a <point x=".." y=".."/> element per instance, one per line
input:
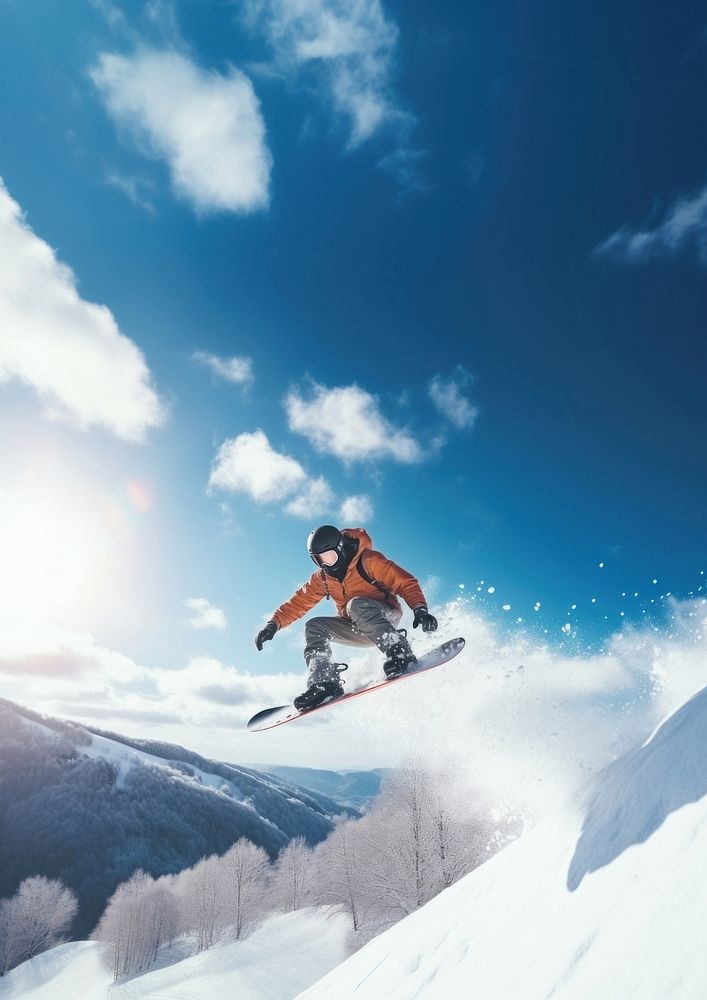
<point x="356" y="510"/>
<point x="69" y="674"/>
<point x="349" y="43"/>
<point x="41" y="655"/>
<point x="132" y="188"/>
<point x="207" y="691"/>
<point x="249" y="464"/>
<point x="447" y="394"/>
<point x="68" y="350"/>
<point x="207" y="126"/>
<point x="112" y="13"/>
<point x="315" y="500"/>
<point x="404" y="165"/>
<point x="347" y="422"/>
<point x="684" y="223"/>
<point x="235" y="369"/>
<point x="206" y="615"/>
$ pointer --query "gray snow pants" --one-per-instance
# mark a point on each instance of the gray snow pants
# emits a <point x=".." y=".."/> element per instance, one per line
<point x="371" y="623"/>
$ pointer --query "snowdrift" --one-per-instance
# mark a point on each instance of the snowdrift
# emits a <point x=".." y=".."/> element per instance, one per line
<point x="607" y="899"/>
<point x="277" y="961"/>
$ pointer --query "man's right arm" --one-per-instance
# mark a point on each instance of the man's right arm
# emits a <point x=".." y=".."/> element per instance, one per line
<point x="302" y="601"/>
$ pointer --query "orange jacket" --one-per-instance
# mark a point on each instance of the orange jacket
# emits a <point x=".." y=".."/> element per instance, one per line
<point x="392" y="579"/>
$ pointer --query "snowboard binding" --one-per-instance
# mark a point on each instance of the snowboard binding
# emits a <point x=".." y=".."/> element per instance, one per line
<point x="326" y="689"/>
<point x="400" y="656"/>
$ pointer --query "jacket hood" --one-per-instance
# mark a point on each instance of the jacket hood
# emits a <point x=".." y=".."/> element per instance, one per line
<point x="364" y="539"/>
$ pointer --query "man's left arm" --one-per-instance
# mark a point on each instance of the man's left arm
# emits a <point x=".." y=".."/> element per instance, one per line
<point x="395" y="579"/>
<point x="398" y="581"/>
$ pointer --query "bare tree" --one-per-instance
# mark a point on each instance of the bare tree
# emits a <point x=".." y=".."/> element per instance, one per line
<point x="340" y="871"/>
<point x="245" y="869"/>
<point x="398" y="838"/>
<point x="202" y="896"/>
<point x="8" y="936"/>
<point x="460" y="840"/>
<point x="419" y="838"/>
<point x="291" y="883"/>
<point x="140" y="918"/>
<point x="35" y="919"/>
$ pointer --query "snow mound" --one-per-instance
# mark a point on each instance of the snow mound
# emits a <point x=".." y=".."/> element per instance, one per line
<point x="72" y="971"/>
<point x="607" y="899"/>
<point x="280" y="959"/>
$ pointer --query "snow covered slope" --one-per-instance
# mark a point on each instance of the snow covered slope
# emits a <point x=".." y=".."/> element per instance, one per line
<point x="276" y="962"/>
<point x="607" y="900"/>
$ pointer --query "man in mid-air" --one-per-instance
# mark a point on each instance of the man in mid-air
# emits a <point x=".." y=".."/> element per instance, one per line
<point x="364" y="585"/>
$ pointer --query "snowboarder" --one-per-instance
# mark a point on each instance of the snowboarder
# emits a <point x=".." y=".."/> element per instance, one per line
<point x="365" y="588"/>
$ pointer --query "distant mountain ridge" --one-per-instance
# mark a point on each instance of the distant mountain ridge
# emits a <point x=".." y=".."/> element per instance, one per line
<point x="89" y="807"/>
<point x="352" y="788"/>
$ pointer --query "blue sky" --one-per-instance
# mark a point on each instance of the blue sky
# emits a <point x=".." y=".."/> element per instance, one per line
<point x="459" y="255"/>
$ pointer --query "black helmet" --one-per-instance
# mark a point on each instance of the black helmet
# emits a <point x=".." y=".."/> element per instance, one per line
<point x="326" y="538"/>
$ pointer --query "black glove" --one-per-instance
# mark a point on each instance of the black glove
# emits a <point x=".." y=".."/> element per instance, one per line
<point x="267" y="633"/>
<point x="424" y="618"/>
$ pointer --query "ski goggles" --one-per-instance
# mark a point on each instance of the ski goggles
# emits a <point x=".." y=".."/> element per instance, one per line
<point x="329" y="557"/>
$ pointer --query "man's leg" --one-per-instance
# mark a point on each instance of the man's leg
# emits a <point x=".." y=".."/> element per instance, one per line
<point x="379" y="623"/>
<point x="319" y="633"/>
<point x="375" y="621"/>
<point x="324" y="681"/>
<point x="371" y="623"/>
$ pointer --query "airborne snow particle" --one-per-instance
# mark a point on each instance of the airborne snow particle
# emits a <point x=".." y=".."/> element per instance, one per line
<point x="492" y="590"/>
<point x="655" y="581"/>
<point x="574" y="607"/>
<point x="461" y="586"/>
<point x="537" y="606"/>
<point x="506" y="607"/>
<point x="601" y="565"/>
<point x="567" y="628"/>
<point x="594" y="600"/>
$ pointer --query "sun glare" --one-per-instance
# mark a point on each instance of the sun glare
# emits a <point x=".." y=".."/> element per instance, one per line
<point x="53" y="548"/>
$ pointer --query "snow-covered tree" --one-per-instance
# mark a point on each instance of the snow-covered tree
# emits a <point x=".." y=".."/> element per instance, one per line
<point x="245" y="869"/>
<point x="35" y="919"/>
<point x="340" y="871"/>
<point x="421" y="835"/>
<point x="141" y="917"/>
<point x="291" y="884"/>
<point x="8" y="940"/>
<point x="202" y="900"/>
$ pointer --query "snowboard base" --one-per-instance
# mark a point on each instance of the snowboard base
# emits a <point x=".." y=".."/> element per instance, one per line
<point x="280" y="714"/>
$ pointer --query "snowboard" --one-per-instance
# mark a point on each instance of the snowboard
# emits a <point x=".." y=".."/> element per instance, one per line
<point x="280" y="714"/>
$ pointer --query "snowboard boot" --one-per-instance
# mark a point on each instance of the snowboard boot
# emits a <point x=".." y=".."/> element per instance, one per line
<point x="399" y="656"/>
<point x="324" y="685"/>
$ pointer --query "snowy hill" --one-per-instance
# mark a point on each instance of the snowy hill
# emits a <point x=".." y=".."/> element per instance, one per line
<point x="607" y="899"/>
<point x="90" y="809"/>
<point x="276" y="962"/>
